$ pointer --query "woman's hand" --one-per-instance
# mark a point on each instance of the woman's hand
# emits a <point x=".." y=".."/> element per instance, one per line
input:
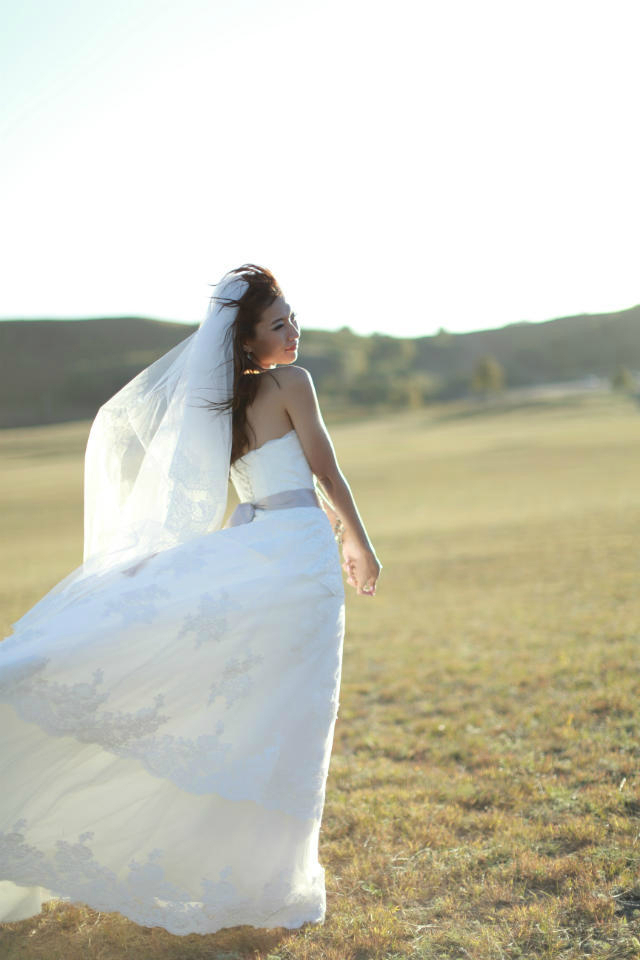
<point x="361" y="565"/>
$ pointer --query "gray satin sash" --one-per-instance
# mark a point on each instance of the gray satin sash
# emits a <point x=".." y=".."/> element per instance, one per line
<point x="245" y="512"/>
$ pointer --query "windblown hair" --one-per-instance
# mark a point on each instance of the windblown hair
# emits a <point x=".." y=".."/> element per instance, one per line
<point x="262" y="291"/>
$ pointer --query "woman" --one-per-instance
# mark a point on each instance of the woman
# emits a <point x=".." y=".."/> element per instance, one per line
<point x="168" y="722"/>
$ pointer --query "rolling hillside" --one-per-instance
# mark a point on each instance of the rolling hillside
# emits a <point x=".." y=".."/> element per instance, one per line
<point x="61" y="370"/>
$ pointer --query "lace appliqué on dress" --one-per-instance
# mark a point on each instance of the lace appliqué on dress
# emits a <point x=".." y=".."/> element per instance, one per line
<point x="235" y="681"/>
<point x="147" y="897"/>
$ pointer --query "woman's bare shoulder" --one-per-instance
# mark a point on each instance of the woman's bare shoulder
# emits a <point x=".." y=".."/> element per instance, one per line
<point x="292" y="375"/>
<point x="298" y="394"/>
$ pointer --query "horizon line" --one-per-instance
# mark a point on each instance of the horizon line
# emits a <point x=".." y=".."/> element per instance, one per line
<point x="196" y="323"/>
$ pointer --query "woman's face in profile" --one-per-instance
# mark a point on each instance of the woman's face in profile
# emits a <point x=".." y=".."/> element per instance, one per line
<point x="276" y="336"/>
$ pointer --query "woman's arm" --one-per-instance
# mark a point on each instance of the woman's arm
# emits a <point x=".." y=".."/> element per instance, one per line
<point x="301" y="403"/>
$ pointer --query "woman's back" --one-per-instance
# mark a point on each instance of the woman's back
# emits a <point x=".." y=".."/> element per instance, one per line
<point x="267" y="417"/>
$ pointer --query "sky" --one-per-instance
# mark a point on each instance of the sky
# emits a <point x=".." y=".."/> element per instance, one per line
<point x="400" y="167"/>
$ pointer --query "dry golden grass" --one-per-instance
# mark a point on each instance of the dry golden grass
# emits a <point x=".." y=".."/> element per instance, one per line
<point x="483" y="795"/>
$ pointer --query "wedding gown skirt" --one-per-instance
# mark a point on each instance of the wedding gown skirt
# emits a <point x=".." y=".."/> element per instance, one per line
<point x="167" y="735"/>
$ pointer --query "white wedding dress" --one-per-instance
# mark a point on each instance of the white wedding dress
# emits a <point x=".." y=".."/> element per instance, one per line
<point x="167" y="735"/>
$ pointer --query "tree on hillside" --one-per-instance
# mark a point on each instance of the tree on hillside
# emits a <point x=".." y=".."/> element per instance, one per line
<point x="623" y="380"/>
<point x="413" y="391"/>
<point x="488" y="376"/>
<point x="443" y="337"/>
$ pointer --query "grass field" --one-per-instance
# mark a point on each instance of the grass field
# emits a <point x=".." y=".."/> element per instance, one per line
<point x="483" y="798"/>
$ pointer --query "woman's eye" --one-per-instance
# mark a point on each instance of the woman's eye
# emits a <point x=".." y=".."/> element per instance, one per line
<point x="292" y="321"/>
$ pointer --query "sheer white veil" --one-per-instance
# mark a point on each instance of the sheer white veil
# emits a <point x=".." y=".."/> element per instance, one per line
<point x="156" y="470"/>
<point x="157" y="458"/>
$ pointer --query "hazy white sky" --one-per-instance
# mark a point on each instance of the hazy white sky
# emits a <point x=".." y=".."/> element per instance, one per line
<point x="399" y="166"/>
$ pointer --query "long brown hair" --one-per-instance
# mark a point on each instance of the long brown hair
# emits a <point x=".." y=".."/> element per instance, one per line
<point x="263" y="289"/>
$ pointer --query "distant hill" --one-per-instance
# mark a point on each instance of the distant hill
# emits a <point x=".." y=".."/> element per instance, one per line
<point x="567" y="348"/>
<point x="58" y="370"/>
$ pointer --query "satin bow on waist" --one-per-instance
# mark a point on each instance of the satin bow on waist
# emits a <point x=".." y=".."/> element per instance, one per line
<point x="245" y="512"/>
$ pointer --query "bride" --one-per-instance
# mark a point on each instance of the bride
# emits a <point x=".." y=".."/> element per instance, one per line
<point x="168" y="708"/>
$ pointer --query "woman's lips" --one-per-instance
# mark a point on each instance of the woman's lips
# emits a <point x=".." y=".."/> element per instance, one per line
<point x="290" y="349"/>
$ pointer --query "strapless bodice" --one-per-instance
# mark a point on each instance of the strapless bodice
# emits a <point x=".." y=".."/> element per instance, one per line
<point x="277" y="465"/>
